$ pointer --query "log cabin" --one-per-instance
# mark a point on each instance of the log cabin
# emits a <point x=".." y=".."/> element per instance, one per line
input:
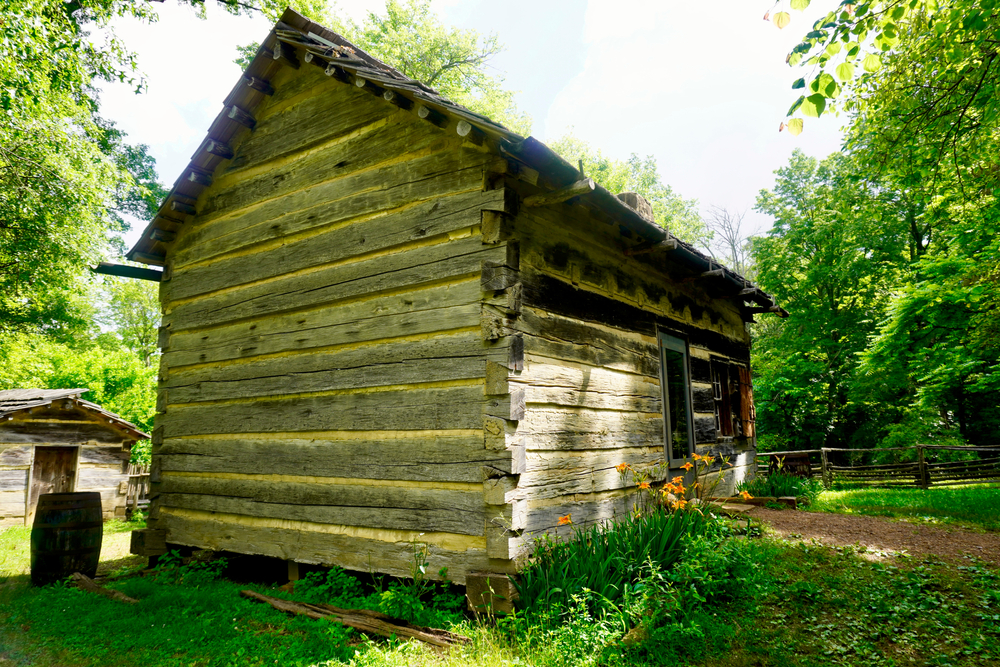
<point x="53" y="441"/>
<point x="391" y="324"/>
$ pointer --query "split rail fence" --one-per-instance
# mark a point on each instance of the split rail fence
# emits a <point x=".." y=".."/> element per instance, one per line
<point x="925" y="465"/>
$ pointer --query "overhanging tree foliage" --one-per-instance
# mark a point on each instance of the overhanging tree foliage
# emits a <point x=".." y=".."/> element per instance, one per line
<point x="831" y="259"/>
<point x="641" y="176"/>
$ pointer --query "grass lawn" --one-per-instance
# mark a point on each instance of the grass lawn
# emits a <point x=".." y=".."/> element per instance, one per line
<point x="974" y="506"/>
<point x="731" y="602"/>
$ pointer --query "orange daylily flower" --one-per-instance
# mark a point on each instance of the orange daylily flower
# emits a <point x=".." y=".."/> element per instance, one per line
<point x="622" y="467"/>
<point x="745" y="495"/>
<point x="565" y="520"/>
<point x="688" y="465"/>
<point x="644" y="485"/>
<point x="697" y="457"/>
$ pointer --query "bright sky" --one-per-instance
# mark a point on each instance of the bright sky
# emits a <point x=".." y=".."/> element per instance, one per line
<point x="701" y="86"/>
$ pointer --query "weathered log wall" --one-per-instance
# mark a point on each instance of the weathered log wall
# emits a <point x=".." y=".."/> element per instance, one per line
<point x="587" y="323"/>
<point x="323" y="378"/>
<point x="98" y="462"/>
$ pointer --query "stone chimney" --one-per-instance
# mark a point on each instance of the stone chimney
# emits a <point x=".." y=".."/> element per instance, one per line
<point x="638" y="203"/>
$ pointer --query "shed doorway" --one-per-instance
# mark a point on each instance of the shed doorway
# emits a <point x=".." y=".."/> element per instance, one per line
<point x="53" y="470"/>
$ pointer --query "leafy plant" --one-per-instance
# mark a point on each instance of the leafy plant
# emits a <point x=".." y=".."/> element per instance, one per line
<point x="781" y="484"/>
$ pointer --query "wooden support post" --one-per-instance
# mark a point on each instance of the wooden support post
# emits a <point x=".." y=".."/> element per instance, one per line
<point x="826" y="468"/>
<point x="924" y="480"/>
<point x="489" y="593"/>
<point x="582" y="187"/>
<point x="293" y="571"/>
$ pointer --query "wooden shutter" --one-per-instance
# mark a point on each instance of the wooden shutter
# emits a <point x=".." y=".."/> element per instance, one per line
<point x="748" y="412"/>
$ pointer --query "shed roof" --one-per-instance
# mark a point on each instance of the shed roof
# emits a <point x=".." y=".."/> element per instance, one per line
<point x="19" y="400"/>
<point x="293" y="37"/>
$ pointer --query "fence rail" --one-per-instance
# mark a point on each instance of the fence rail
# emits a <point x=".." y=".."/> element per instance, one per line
<point x="931" y="466"/>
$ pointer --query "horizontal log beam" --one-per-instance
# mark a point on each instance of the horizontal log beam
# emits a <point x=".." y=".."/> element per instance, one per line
<point x="124" y="271"/>
<point x="581" y="187"/>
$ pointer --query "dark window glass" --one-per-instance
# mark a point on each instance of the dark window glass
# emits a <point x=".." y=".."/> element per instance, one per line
<point x="676" y="397"/>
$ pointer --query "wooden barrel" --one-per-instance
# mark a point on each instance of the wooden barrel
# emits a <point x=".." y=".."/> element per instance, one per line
<point x="66" y="536"/>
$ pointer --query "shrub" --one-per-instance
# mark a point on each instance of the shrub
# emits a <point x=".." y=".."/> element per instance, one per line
<point x="782" y="484"/>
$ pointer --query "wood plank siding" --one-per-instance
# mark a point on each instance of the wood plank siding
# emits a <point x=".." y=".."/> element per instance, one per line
<point x="591" y="372"/>
<point x="323" y="377"/>
<point x="389" y="320"/>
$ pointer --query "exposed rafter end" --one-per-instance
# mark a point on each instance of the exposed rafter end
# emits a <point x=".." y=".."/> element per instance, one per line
<point x="368" y="86"/>
<point x="260" y="85"/>
<point x="431" y="116"/>
<point x="219" y="149"/>
<point x="241" y="117"/>
<point x="714" y="273"/>
<point x="182" y="207"/>
<point x="337" y="73"/>
<point x="581" y="187"/>
<point x="398" y="100"/>
<point x="125" y="271"/>
<point x="470" y="133"/>
<point x="285" y="54"/>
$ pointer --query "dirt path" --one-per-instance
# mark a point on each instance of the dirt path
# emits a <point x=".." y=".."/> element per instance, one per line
<point x="882" y="536"/>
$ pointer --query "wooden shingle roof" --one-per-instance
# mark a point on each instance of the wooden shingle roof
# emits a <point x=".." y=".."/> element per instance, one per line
<point x="13" y="401"/>
<point x="296" y="41"/>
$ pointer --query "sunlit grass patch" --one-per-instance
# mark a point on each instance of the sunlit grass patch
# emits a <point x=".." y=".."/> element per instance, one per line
<point x="974" y="506"/>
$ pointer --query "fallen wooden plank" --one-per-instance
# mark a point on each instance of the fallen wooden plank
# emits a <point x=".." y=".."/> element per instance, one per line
<point x="363" y="620"/>
<point x="84" y="582"/>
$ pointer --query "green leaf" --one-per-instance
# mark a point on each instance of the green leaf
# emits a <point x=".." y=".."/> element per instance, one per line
<point x="795" y="126"/>
<point x="871" y="63"/>
<point x="827" y="86"/>
<point x="845" y="71"/>
<point x="794" y="59"/>
<point x="852" y="49"/>
<point x="813" y="105"/>
<point x="796" y="105"/>
<point x="782" y="19"/>
<point x="799" y="4"/>
<point x="833" y="49"/>
<point x="800" y="83"/>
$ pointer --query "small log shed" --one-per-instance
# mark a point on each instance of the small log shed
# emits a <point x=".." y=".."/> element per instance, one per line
<point x="390" y="322"/>
<point x="53" y="441"/>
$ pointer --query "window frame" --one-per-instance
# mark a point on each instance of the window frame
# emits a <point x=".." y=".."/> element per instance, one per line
<point x="667" y="341"/>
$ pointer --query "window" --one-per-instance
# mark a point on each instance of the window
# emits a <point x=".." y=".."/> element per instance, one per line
<point x="676" y="382"/>
<point x="735" y="413"/>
